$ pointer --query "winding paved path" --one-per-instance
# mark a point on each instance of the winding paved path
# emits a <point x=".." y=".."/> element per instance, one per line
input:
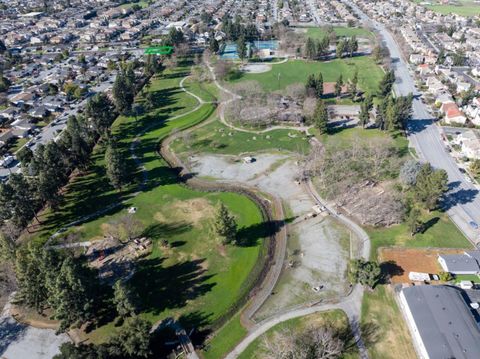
<point x="350" y="304"/>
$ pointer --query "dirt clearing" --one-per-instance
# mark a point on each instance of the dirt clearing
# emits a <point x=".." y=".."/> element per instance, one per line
<point x="408" y="260"/>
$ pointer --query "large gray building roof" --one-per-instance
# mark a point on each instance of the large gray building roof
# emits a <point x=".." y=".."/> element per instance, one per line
<point x="445" y="321"/>
<point x="460" y="263"/>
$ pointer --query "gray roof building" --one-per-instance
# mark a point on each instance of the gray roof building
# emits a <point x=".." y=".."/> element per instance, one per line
<point x="441" y="321"/>
<point x="465" y="263"/>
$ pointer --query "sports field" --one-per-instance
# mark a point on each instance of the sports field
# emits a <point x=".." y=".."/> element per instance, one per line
<point x="297" y="71"/>
<point x="465" y="8"/>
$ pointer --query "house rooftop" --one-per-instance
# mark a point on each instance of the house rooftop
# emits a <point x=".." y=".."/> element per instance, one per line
<point x="444" y="320"/>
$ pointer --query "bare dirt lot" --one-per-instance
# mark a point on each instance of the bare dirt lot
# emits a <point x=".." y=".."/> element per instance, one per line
<point x="413" y="260"/>
<point x="318" y="247"/>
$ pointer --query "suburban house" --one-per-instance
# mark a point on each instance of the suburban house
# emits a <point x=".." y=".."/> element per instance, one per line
<point x="441" y="321"/>
<point x="5" y="136"/>
<point x="465" y="263"/>
<point x="453" y="113"/>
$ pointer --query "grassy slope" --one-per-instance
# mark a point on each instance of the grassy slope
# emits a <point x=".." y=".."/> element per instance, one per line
<point x="319" y="32"/>
<point x="207" y="91"/>
<point x="334" y="318"/>
<point x="297" y="71"/>
<point x="214" y="138"/>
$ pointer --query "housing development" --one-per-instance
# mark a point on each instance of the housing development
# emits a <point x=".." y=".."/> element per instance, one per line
<point x="246" y="179"/>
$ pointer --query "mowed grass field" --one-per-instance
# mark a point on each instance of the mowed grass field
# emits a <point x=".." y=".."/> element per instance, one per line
<point x="390" y="335"/>
<point x="297" y="71"/>
<point x="218" y="138"/>
<point x="440" y="232"/>
<point x="195" y="278"/>
<point x="207" y="91"/>
<point x="333" y="319"/>
<point x="319" y="32"/>
<point x="465" y="8"/>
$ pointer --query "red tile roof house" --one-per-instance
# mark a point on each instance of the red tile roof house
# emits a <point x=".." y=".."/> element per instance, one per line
<point x="453" y="113"/>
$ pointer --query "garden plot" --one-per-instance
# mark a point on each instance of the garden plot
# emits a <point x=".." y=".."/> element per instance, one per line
<point x="318" y="247"/>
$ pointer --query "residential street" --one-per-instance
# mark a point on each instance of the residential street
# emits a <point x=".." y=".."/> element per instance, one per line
<point x="463" y="202"/>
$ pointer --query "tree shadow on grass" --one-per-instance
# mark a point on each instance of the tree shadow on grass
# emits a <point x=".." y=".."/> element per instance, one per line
<point x="166" y="230"/>
<point x="161" y="288"/>
<point x="249" y="236"/>
<point x="429" y="224"/>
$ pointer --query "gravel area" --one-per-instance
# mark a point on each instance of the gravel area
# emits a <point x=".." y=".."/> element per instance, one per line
<point x="319" y="246"/>
<point x="18" y="341"/>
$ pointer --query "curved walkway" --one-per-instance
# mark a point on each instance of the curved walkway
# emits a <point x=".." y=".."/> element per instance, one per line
<point x="233" y="97"/>
<point x="350" y="304"/>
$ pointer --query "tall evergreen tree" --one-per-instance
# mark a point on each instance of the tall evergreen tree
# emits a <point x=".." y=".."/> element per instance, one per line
<point x="71" y="295"/>
<point x="364" y="115"/>
<point x="386" y="83"/>
<point x="123" y="300"/>
<point x="338" y="86"/>
<point x="320" y="117"/>
<point x="18" y="201"/>
<point x="242" y="48"/>
<point x="319" y="85"/>
<point x="101" y="110"/>
<point x="225" y="224"/>
<point x="341" y="48"/>
<point x="123" y="93"/>
<point x="430" y="186"/>
<point x="115" y="166"/>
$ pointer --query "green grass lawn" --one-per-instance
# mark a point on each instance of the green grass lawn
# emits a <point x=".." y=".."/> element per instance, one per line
<point x="297" y="71"/>
<point x="215" y="138"/>
<point x="335" y="318"/>
<point x="141" y="3"/>
<point x="18" y="143"/>
<point x="390" y="338"/>
<point x="465" y="8"/>
<point x="319" y="32"/>
<point x="470" y="277"/>
<point x="207" y="91"/>
<point x="225" y="339"/>
<point x="440" y="232"/>
<point x="344" y="137"/>
<point x="195" y="278"/>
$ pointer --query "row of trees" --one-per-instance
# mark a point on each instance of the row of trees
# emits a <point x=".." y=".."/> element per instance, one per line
<point x="347" y="46"/>
<point x="48" y="279"/>
<point x="235" y="29"/>
<point x="47" y="170"/>
<point x="394" y="112"/>
<point x="317" y="49"/>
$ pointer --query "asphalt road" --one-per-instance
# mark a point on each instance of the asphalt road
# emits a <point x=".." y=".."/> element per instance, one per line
<point x="462" y="201"/>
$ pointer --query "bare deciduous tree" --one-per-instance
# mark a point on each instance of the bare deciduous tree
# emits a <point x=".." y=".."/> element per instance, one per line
<point x="319" y="343"/>
<point x="125" y="228"/>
